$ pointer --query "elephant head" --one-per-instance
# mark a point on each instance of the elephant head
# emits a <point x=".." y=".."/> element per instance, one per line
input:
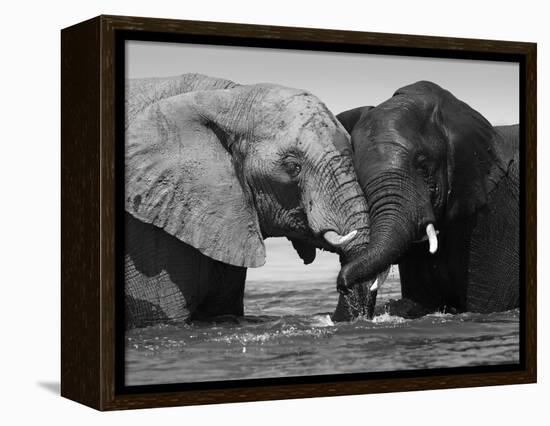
<point x="223" y="169"/>
<point x="424" y="160"/>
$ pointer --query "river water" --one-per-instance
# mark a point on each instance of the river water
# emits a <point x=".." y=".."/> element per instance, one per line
<point x="287" y="331"/>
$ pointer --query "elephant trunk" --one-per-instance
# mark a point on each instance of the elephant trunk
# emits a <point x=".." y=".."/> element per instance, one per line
<point x="337" y="209"/>
<point x="400" y="213"/>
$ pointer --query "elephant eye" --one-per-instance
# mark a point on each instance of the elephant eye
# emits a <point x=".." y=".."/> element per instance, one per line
<point x="421" y="161"/>
<point x="293" y="168"/>
<point x="422" y="164"/>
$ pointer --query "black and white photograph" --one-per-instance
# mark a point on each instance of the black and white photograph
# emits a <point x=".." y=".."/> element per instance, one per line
<point x="252" y="213"/>
<point x="293" y="213"/>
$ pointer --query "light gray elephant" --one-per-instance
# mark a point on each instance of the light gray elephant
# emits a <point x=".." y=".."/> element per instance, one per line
<point x="212" y="169"/>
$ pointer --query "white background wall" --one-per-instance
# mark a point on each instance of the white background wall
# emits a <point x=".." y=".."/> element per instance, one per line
<point x="29" y="313"/>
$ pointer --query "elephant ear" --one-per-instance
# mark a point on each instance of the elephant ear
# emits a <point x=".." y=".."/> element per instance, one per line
<point x="181" y="177"/>
<point x="475" y="163"/>
<point x="349" y="118"/>
<point x="142" y="92"/>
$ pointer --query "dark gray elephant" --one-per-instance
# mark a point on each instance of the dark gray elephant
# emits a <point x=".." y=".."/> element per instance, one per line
<point x="213" y="168"/>
<point x="442" y="187"/>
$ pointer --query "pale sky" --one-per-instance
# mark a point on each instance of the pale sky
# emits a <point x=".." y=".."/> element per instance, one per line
<point x="341" y="80"/>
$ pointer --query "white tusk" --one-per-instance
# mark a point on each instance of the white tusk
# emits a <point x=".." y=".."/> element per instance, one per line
<point x="337" y="240"/>
<point x="380" y="280"/>
<point x="424" y="238"/>
<point x="432" y="237"/>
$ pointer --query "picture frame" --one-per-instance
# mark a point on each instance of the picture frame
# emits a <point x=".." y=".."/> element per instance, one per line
<point x="92" y="104"/>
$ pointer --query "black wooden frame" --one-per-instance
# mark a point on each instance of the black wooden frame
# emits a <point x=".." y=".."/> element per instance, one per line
<point x="92" y="113"/>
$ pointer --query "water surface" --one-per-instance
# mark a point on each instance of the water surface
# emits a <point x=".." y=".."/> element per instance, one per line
<point x="287" y="331"/>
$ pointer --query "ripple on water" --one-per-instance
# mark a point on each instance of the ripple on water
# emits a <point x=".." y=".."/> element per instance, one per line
<point x="277" y="338"/>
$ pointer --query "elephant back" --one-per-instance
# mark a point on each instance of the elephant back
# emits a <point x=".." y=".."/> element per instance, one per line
<point x="509" y="142"/>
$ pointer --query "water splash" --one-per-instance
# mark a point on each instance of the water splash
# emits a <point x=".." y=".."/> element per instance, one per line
<point x="322" y="321"/>
<point x="386" y="318"/>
